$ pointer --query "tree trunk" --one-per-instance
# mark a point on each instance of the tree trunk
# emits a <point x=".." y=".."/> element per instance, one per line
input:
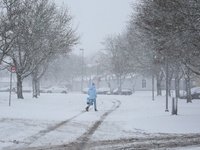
<point x="108" y="82"/>
<point x="38" y="87"/>
<point x="159" y="90"/>
<point x="170" y="87"/>
<point x="110" y="88"/>
<point x="177" y="91"/>
<point x="188" y="90"/>
<point x="36" y="76"/>
<point x="19" y="87"/>
<point x="133" y="81"/>
<point x="159" y="77"/>
<point x="34" y="82"/>
<point x="170" y="83"/>
<point x="34" y="86"/>
<point x="119" y="84"/>
<point x="133" y="88"/>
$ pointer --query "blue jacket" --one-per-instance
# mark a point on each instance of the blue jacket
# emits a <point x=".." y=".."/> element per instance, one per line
<point x="92" y="92"/>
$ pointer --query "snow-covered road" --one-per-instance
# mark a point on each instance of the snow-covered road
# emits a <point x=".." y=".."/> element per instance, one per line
<point x="59" y="121"/>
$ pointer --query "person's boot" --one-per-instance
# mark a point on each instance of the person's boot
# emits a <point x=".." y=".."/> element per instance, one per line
<point x="86" y="108"/>
<point x="96" y="110"/>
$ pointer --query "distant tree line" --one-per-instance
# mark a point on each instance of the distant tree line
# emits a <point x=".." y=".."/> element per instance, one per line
<point x="159" y="33"/>
<point x="63" y="71"/>
<point x="34" y="33"/>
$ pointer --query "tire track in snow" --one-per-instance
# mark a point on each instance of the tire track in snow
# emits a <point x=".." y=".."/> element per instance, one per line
<point x="42" y="133"/>
<point x="82" y="141"/>
<point x="98" y="123"/>
<point x="154" y="141"/>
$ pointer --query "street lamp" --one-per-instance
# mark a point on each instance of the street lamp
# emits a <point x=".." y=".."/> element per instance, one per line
<point x="153" y="78"/>
<point x="153" y="70"/>
<point x="167" y="81"/>
<point x="82" y="69"/>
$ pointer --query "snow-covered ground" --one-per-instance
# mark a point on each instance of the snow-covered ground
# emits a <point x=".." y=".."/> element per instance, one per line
<point x="59" y="121"/>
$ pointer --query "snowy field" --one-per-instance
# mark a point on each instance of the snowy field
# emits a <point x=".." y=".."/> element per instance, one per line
<point x="59" y="121"/>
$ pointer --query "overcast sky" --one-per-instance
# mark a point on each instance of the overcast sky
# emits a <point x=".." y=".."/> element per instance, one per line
<point x="96" y="19"/>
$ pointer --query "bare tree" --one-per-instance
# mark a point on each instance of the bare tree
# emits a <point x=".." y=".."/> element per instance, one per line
<point x="63" y="71"/>
<point x="60" y="38"/>
<point x="37" y="74"/>
<point x="173" y="27"/>
<point x="116" y="48"/>
<point x="43" y="32"/>
<point x="8" y="17"/>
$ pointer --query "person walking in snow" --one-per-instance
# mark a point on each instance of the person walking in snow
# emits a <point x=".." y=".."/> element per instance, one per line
<point x="92" y="96"/>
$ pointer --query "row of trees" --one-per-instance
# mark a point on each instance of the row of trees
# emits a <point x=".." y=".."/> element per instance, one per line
<point x="33" y="33"/>
<point x="160" y="34"/>
<point x="63" y="71"/>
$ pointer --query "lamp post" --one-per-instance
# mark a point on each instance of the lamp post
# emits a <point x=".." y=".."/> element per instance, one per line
<point x="167" y="81"/>
<point x="153" y="78"/>
<point x="153" y="69"/>
<point x="82" y="70"/>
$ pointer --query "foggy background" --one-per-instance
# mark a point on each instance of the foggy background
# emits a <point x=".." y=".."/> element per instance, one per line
<point x="97" y="18"/>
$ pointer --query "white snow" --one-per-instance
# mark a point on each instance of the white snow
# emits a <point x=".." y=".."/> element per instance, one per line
<point x="29" y="118"/>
